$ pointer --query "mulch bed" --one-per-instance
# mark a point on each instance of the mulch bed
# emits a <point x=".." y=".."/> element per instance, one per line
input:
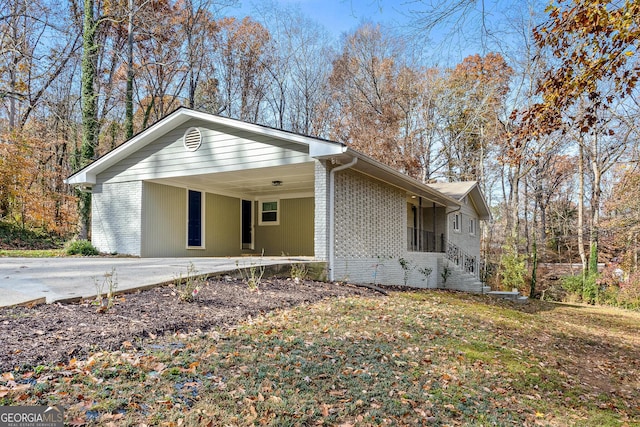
<point x="56" y="333"/>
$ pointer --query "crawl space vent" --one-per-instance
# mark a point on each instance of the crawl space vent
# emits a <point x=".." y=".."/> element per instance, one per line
<point x="192" y="139"/>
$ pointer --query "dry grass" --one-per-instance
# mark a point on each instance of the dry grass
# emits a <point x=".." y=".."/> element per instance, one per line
<point x="414" y="358"/>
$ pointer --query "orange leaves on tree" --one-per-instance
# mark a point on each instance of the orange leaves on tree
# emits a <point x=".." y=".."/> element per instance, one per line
<point x="595" y="43"/>
<point x="30" y="185"/>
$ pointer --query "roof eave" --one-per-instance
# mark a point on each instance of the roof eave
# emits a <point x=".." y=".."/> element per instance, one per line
<point x="400" y="180"/>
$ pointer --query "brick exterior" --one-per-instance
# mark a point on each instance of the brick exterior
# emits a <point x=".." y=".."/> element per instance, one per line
<point x="388" y="271"/>
<point x="370" y="217"/>
<point x="370" y="221"/>
<point x="321" y="211"/>
<point x="117" y="217"/>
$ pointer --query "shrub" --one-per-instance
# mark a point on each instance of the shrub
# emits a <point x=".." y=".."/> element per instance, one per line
<point x="586" y="289"/>
<point x="513" y="268"/>
<point x="298" y="272"/>
<point x="189" y="286"/>
<point x="572" y="284"/>
<point x="81" y="247"/>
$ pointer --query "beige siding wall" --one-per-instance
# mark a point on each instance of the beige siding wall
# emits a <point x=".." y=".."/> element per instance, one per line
<point x="469" y="243"/>
<point x="165" y="223"/>
<point x="223" y="149"/>
<point x="222" y="225"/>
<point x="294" y="235"/>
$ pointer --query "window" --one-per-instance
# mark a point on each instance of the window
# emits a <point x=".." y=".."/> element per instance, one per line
<point x="457" y="219"/>
<point x="194" y="219"/>
<point x="269" y="213"/>
<point x="472" y="226"/>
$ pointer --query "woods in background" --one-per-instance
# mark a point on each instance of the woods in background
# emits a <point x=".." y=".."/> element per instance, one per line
<point x="543" y="115"/>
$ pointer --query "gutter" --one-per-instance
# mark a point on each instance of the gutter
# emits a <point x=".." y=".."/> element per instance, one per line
<point x="332" y="219"/>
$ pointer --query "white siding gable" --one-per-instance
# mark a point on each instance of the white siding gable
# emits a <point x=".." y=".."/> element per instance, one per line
<point x="223" y="149"/>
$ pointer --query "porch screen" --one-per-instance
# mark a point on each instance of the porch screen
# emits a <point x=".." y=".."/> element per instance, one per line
<point x="194" y="226"/>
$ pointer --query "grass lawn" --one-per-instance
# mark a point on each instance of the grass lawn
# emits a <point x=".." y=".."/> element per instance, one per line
<point x="413" y="358"/>
<point x="32" y="253"/>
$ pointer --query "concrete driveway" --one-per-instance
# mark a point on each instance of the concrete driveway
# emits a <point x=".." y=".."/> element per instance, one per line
<point x="24" y="280"/>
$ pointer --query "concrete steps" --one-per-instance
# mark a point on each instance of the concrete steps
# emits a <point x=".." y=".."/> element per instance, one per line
<point x="510" y="295"/>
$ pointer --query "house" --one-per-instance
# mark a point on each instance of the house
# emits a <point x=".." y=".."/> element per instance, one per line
<point x="199" y="185"/>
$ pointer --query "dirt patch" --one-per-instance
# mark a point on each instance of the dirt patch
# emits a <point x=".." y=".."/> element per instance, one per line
<point x="54" y="333"/>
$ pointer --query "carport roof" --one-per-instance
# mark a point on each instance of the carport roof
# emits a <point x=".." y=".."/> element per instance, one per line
<point x="318" y="149"/>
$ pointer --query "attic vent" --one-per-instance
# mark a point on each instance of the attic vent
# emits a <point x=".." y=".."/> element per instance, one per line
<point x="192" y="139"/>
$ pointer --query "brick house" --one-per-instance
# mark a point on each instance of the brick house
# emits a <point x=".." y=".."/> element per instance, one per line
<point x="199" y="185"/>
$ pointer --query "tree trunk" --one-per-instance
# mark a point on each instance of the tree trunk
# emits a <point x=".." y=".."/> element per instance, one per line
<point x="129" y="95"/>
<point x="583" y="256"/>
<point x="596" y="196"/>
<point x="89" y="108"/>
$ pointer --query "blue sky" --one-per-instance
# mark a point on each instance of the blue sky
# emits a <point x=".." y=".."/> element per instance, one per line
<point x="460" y="33"/>
<point x="339" y="16"/>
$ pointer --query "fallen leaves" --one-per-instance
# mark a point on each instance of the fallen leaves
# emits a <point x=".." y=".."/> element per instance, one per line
<point x="338" y="363"/>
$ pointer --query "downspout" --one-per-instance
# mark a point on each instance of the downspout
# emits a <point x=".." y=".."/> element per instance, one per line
<point x="332" y="220"/>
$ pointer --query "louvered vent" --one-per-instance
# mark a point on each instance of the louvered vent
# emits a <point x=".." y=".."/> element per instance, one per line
<point x="192" y="139"/>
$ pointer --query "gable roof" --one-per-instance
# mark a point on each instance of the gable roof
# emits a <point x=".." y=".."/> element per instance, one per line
<point x="462" y="189"/>
<point x="318" y="149"/>
<point x="87" y="175"/>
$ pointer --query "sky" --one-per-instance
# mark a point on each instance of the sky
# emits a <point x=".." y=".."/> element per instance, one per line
<point x="340" y="16"/>
<point x="460" y="34"/>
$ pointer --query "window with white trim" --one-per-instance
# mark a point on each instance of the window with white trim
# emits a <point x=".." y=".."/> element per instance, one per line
<point x="269" y="212"/>
<point x="472" y="226"/>
<point x="457" y="219"/>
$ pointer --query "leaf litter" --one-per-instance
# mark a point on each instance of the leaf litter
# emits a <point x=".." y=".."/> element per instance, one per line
<point x="413" y="358"/>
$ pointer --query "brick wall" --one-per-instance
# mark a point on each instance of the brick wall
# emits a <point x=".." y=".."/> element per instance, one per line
<point x="321" y="213"/>
<point x="117" y="217"/>
<point x="370" y="217"/>
<point x="370" y="229"/>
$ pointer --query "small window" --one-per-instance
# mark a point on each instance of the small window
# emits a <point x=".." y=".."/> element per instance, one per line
<point x="472" y="226"/>
<point x="192" y="139"/>
<point x="194" y="219"/>
<point x="457" y="219"/>
<point x="269" y="212"/>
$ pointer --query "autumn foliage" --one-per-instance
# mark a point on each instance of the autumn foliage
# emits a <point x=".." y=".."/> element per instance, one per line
<point x="31" y="189"/>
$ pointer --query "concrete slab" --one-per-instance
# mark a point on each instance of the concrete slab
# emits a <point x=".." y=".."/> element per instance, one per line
<point x="23" y="280"/>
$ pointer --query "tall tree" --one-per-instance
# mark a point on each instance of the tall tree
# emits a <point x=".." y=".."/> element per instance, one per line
<point x="242" y="75"/>
<point x="298" y="69"/>
<point x="476" y="118"/>
<point x="89" y="106"/>
<point x="366" y="86"/>
<point x="36" y="45"/>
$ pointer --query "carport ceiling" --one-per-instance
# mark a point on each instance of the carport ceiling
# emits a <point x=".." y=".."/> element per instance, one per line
<point x="296" y="180"/>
